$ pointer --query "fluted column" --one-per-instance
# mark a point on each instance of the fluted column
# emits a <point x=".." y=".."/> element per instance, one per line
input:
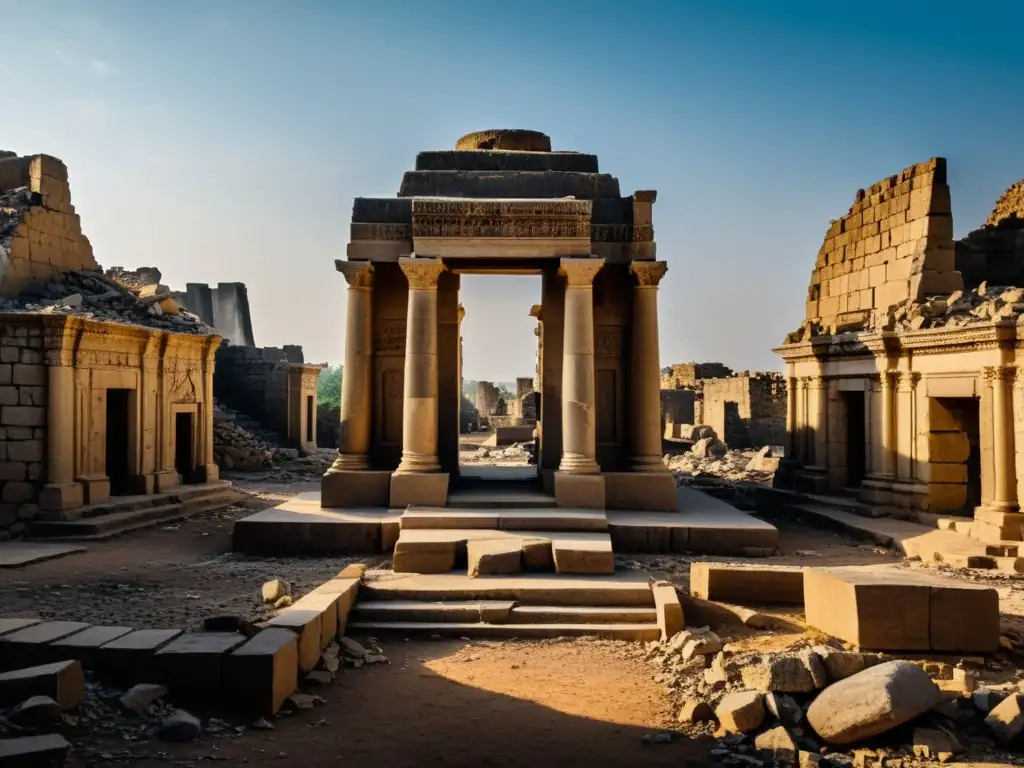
<point x="1005" y="487"/>
<point x="357" y="373"/>
<point x="419" y="415"/>
<point x="579" y="398"/>
<point x="645" y="400"/>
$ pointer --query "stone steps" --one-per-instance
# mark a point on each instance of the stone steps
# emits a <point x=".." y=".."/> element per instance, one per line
<point x="432" y="550"/>
<point x="115" y="523"/>
<point x="515" y="519"/>
<point x="500" y="496"/>
<point x="628" y="589"/>
<point x="634" y="632"/>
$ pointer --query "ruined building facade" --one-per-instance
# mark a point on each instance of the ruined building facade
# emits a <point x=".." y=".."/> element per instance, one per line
<point x="902" y="385"/>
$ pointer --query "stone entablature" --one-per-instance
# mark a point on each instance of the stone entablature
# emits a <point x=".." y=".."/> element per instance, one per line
<point x="66" y="379"/>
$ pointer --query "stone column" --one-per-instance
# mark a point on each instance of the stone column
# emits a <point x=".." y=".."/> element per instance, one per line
<point x="579" y="428"/>
<point x="357" y="373"/>
<point x="888" y="468"/>
<point x="462" y="316"/>
<point x="792" y="450"/>
<point x="419" y="415"/>
<point x="1005" y="487"/>
<point x="645" y="399"/>
<point x="61" y="490"/>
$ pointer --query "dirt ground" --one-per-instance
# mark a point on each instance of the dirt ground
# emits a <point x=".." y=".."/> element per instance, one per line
<point x="453" y="703"/>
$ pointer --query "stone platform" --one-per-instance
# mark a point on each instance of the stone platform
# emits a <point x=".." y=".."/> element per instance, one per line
<point x="703" y="525"/>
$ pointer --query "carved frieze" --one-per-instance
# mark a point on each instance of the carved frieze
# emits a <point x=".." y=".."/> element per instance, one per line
<point x="376" y="231"/>
<point x="622" y="233"/>
<point x="608" y="340"/>
<point x="501" y="218"/>
<point x="390" y="338"/>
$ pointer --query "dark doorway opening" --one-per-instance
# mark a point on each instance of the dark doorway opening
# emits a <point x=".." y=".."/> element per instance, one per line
<point x="956" y="456"/>
<point x="856" y="439"/>
<point x="117" y="439"/>
<point x="309" y="418"/>
<point x="184" y="460"/>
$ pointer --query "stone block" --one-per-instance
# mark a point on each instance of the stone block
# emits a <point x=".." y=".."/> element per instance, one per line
<point x="948" y="473"/>
<point x="194" y="662"/>
<point x="648" y="491"/>
<point x="11" y="625"/>
<point x="1006" y="720"/>
<point x="493" y="557"/>
<point x="28" y="374"/>
<point x="347" y="590"/>
<point x="963" y="618"/>
<point x="580" y="491"/>
<point x="85" y="645"/>
<point x="326" y="603"/>
<point x="670" y="612"/>
<point x="17" y="492"/>
<point x="948" y="447"/>
<point x="946" y="497"/>
<point x="536" y="554"/>
<point x="22" y="415"/>
<point x="365" y="488"/>
<point x="29" y="646"/>
<point x="1002" y="526"/>
<point x="26" y="751"/>
<point x="857" y="606"/>
<point x="740" y="712"/>
<point x="306" y="625"/>
<point x="747" y="585"/>
<point x="426" y="489"/>
<point x="424" y="556"/>
<point x="131" y="658"/>
<point x="582" y="554"/>
<point x="62" y="681"/>
<point x="264" y="671"/>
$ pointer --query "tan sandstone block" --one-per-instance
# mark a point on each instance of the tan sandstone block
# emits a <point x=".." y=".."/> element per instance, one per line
<point x="424" y="557"/>
<point x="948" y="447"/>
<point x="326" y="604"/>
<point x="263" y="672"/>
<point x="964" y="618"/>
<point x="305" y="624"/>
<point x="747" y="585"/>
<point x="948" y="473"/>
<point x="493" y="557"/>
<point x="670" y="613"/>
<point x="946" y="497"/>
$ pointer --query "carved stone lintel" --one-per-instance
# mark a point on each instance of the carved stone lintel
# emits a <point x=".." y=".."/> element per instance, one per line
<point x="358" y="274"/>
<point x="580" y="272"/>
<point x="648" y="273"/>
<point x="421" y="273"/>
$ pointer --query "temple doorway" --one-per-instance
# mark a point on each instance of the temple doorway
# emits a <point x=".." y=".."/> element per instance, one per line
<point x="856" y="438"/>
<point x="184" y="441"/>
<point x="118" y="439"/>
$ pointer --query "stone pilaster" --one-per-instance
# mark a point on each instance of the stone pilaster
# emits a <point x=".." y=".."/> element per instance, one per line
<point x="357" y="373"/>
<point x="579" y="427"/>
<point x="792" y="438"/>
<point x="645" y="401"/>
<point x="1005" y="486"/>
<point x="419" y="416"/>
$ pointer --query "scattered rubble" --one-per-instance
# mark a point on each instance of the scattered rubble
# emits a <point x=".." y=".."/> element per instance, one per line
<point x="715" y="461"/>
<point x="985" y="304"/>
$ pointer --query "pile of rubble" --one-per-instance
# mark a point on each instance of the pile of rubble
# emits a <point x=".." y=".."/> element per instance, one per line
<point x="235" y="447"/>
<point x="514" y="452"/>
<point x="710" y="457"/>
<point x="985" y="304"/>
<point x="806" y="703"/>
<point x="93" y="294"/>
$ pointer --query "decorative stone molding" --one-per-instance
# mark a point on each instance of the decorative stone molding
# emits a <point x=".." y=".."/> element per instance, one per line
<point x="469" y="218"/>
<point x="358" y="274"/>
<point x="999" y="373"/>
<point x="648" y="273"/>
<point x="422" y="274"/>
<point x="390" y="338"/>
<point x="380" y="232"/>
<point x="580" y="273"/>
<point x="622" y="233"/>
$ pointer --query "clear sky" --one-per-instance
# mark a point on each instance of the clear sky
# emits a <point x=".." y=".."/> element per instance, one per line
<point x="224" y="140"/>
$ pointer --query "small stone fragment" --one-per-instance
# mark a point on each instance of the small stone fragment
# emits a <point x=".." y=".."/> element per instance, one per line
<point x="1006" y="720"/>
<point x="274" y="590"/>
<point x="696" y="711"/>
<point x="35" y="712"/>
<point x="779" y="743"/>
<point x="139" y="697"/>
<point x="319" y="677"/>
<point x="352" y="649"/>
<point x="262" y="725"/>
<point x="180" y="727"/>
<point x="701" y="645"/>
<point x="784" y="708"/>
<point x="282" y="602"/>
<point x="740" y="712"/>
<point x="808" y="759"/>
<point x="716" y="673"/>
<point x="987" y="700"/>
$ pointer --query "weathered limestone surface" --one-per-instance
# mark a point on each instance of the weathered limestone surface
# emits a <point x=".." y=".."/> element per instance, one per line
<point x="747" y="585"/>
<point x="264" y="671"/>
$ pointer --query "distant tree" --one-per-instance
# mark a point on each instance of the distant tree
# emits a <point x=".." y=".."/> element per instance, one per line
<point x="328" y="388"/>
<point x="666" y="371"/>
<point x="468" y="414"/>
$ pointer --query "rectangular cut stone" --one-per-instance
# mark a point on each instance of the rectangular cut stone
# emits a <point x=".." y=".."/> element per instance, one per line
<point x="194" y="662"/>
<point x="85" y="645"/>
<point x="648" y="491"/>
<point x="305" y="624"/>
<point x="584" y="554"/>
<point x="11" y="625"/>
<point x="347" y="590"/>
<point x="873" y="611"/>
<point x="30" y="645"/>
<point x="131" y="658"/>
<point x="62" y="681"/>
<point x="964" y="618"/>
<point x="326" y="604"/>
<point x="1001" y="526"/>
<point x="494" y="557"/>
<point x="579" y="491"/>
<point x="670" y="612"/>
<point x="264" y="671"/>
<point x="427" y="489"/>
<point x="424" y="557"/>
<point x="743" y="585"/>
<point x="536" y="554"/>
<point x="357" y="488"/>
<point x="25" y="751"/>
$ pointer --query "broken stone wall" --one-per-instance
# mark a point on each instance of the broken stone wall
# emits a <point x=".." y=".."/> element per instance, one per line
<point x="254" y="380"/>
<point x="746" y="410"/>
<point x="40" y="233"/>
<point x="22" y="426"/>
<point x="994" y="253"/>
<point x="487" y="395"/>
<point x="895" y="243"/>
<point x="687" y="374"/>
<point x="676" y="409"/>
<point x="225" y="308"/>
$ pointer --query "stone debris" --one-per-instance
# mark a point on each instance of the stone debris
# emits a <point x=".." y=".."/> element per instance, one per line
<point x="740" y="712"/>
<point x="778" y="743"/>
<point x="93" y="294"/>
<point x="274" y="590"/>
<point x="709" y="447"/>
<point x="696" y="711"/>
<point x="933" y="744"/>
<point x="801" y="673"/>
<point x="731" y="465"/>
<point x="180" y="727"/>
<point x="872" y="702"/>
<point x="985" y="304"/>
<point x="35" y="712"/>
<point x="1006" y="720"/>
<point x="140" y="697"/>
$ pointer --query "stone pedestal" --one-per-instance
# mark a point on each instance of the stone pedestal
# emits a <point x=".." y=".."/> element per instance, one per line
<point x="645" y="491"/>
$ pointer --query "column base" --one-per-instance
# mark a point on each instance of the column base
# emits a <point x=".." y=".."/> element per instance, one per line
<point x="910" y="495"/>
<point x="811" y="480"/>
<point x="167" y="481"/>
<point x="210" y="472"/>
<point x="350" y="462"/>
<point x="645" y="491"/>
<point x="993" y="525"/>
<point x="95" y="490"/>
<point x="428" y="489"/>
<point x="139" y="485"/>
<point x="55" y="497"/>
<point x="419" y="463"/>
<point x="579" y="491"/>
<point x="876" y="489"/>
<point x="647" y="464"/>
<point x="365" y="488"/>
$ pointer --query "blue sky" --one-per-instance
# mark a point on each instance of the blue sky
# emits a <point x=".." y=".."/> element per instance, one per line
<point x="224" y="141"/>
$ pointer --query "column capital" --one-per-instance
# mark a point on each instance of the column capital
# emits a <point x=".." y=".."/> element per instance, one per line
<point x="358" y="274"/>
<point x="421" y="273"/>
<point x="462" y="313"/>
<point x="998" y="372"/>
<point x="648" y="273"/>
<point x="580" y="272"/>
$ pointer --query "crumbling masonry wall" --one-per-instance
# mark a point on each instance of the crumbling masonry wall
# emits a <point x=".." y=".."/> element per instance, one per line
<point x="40" y="233"/>
<point x="688" y="374"/>
<point x="746" y="410"/>
<point x="225" y="308"/>
<point x="894" y="244"/>
<point x="994" y="253"/>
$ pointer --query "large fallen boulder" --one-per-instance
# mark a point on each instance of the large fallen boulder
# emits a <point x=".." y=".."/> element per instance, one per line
<point x="872" y="702"/>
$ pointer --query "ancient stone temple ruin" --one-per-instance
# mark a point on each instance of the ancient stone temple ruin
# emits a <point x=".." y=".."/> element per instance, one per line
<point x="904" y="382"/>
<point x="102" y="393"/>
<point x="502" y="203"/>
